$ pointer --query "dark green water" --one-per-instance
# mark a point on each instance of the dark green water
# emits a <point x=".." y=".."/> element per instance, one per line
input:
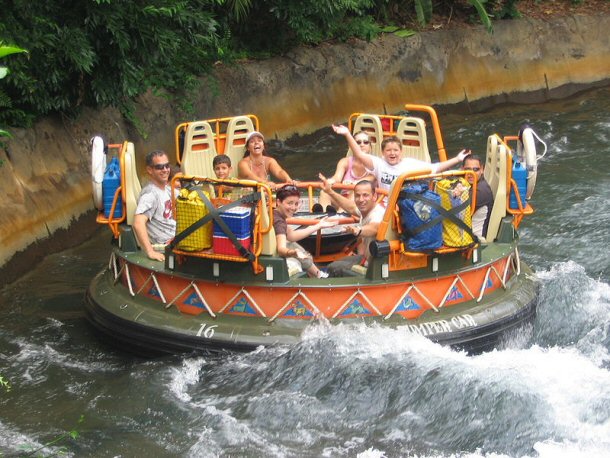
<point x="345" y="391"/>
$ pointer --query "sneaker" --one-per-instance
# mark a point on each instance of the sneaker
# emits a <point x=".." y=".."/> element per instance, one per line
<point x="317" y="208"/>
<point x="331" y="210"/>
<point x="322" y="274"/>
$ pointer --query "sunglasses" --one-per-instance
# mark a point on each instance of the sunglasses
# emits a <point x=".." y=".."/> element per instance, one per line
<point x="474" y="169"/>
<point x="289" y="188"/>
<point x="363" y="142"/>
<point x="162" y="166"/>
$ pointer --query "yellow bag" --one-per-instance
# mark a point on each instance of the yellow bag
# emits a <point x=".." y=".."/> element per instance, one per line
<point x="190" y="209"/>
<point x="453" y="234"/>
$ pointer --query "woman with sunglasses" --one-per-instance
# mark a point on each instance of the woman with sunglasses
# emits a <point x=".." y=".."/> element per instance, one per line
<point x="256" y="165"/>
<point x="391" y="165"/>
<point x="288" y="199"/>
<point x="350" y="170"/>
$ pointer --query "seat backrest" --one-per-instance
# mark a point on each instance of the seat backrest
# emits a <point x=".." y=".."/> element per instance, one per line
<point x="496" y="177"/>
<point x="131" y="182"/>
<point x="391" y="232"/>
<point x="371" y="124"/>
<point x="269" y="242"/>
<point x="199" y="150"/>
<point x="491" y="160"/>
<point x="412" y="134"/>
<point x="238" y="129"/>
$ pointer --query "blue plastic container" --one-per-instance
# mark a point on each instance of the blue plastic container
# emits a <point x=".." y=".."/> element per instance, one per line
<point x="112" y="180"/>
<point x="237" y="219"/>
<point x="520" y="176"/>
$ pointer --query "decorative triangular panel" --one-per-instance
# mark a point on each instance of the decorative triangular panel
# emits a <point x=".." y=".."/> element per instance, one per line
<point x="489" y="283"/>
<point x="298" y="309"/>
<point x="153" y="291"/>
<point x="356" y="307"/>
<point x="193" y="300"/>
<point x="242" y="305"/>
<point x="454" y="295"/>
<point x="407" y="304"/>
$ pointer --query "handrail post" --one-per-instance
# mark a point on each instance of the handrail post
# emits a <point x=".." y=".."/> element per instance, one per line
<point x="442" y="153"/>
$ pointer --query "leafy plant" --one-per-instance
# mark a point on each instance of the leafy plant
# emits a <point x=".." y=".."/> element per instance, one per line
<point x="72" y="434"/>
<point x="423" y="9"/>
<point x="483" y="16"/>
<point x="6" y="386"/>
<point x="108" y="52"/>
<point x="104" y="52"/>
<point x="5" y="101"/>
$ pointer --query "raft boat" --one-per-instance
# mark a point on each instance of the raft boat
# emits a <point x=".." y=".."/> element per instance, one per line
<point x="227" y="288"/>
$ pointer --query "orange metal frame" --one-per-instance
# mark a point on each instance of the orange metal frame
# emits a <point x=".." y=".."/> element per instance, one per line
<point x="523" y="210"/>
<point x="113" y="223"/>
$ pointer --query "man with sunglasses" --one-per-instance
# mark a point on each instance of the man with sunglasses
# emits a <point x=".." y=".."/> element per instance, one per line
<point x="154" y="222"/>
<point x="485" y="199"/>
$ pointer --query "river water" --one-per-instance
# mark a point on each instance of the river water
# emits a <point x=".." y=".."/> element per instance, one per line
<point x="344" y="391"/>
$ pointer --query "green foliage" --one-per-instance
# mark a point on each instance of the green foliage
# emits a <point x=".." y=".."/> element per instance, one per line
<point x="504" y="9"/>
<point x="5" y="102"/>
<point x="4" y="384"/>
<point x="108" y="52"/>
<point x="480" y="7"/>
<point x="104" y="52"/>
<point x="279" y="25"/>
<point x="72" y="434"/>
<point x="402" y="33"/>
<point x="423" y="9"/>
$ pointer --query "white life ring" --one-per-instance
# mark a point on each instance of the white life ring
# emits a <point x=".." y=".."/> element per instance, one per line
<point x="526" y="149"/>
<point x="98" y="167"/>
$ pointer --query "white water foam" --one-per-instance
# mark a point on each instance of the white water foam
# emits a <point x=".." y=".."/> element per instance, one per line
<point x="574" y="386"/>
<point x="182" y="378"/>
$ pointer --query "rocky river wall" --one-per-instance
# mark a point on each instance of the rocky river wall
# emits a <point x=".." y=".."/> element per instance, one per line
<point x="45" y="171"/>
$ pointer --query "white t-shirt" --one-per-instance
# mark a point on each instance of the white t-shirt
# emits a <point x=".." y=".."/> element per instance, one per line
<point x="156" y="204"/>
<point x="386" y="173"/>
<point x="374" y="216"/>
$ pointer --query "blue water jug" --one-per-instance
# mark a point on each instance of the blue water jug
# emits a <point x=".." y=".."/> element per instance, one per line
<point x="112" y="180"/>
<point x="520" y="176"/>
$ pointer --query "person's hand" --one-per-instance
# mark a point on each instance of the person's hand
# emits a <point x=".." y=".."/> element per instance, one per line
<point x="340" y="130"/>
<point x="355" y="230"/>
<point x="325" y="222"/>
<point x="463" y="154"/>
<point x="458" y="190"/>
<point x="272" y="185"/>
<point x="156" y="256"/>
<point x="300" y="254"/>
<point x="326" y="184"/>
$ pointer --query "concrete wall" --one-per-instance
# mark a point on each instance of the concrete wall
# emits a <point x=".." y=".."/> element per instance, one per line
<point x="44" y="174"/>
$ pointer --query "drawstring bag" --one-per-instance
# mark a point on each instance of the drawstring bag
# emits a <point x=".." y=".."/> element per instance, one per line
<point x="420" y="217"/>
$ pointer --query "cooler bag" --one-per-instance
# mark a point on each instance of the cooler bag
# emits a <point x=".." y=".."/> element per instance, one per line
<point x="420" y="218"/>
<point x="456" y="199"/>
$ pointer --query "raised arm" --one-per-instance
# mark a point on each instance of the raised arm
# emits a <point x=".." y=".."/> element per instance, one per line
<point x="278" y="172"/>
<point x="337" y="199"/>
<point x="366" y="159"/>
<point x="453" y="162"/>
